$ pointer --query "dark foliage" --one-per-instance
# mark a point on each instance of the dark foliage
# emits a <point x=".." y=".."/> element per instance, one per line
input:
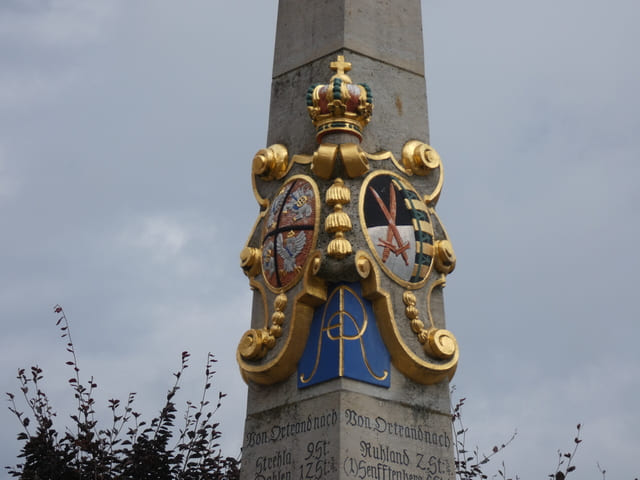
<point x="131" y="449"/>
<point x="127" y="448"/>
<point x="473" y="464"/>
<point x="470" y="464"/>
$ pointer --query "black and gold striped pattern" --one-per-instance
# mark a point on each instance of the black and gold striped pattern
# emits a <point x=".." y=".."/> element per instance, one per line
<point x="423" y="229"/>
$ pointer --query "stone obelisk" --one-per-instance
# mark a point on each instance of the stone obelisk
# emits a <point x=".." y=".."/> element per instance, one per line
<point x="347" y="356"/>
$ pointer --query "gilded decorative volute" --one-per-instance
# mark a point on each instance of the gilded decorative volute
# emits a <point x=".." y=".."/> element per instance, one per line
<point x="348" y="257"/>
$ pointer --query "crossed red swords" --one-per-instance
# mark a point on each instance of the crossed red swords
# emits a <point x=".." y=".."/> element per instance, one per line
<point x="392" y="230"/>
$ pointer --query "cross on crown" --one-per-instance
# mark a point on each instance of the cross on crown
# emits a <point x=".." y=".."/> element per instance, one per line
<point x="340" y="67"/>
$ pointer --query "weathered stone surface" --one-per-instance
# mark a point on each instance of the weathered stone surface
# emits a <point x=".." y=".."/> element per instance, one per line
<point x="348" y="436"/>
<point x="343" y="428"/>
<point x="402" y="391"/>
<point x="388" y="31"/>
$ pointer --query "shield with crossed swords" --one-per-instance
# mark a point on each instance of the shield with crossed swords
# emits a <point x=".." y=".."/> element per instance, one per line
<point x="400" y="232"/>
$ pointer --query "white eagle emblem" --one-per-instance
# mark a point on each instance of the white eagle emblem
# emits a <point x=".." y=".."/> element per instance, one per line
<point x="298" y="203"/>
<point x="292" y="245"/>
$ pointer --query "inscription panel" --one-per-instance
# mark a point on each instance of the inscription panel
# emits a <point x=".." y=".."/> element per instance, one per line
<point x="396" y="443"/>
<point x="291" y="444"/>
<point x="355" y="437"/>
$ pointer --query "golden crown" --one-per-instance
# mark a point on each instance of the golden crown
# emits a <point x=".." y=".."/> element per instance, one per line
<point x="340" y="105"/>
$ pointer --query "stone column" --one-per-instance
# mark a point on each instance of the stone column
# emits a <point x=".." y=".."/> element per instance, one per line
<point x="383" y="42"/>
<point x="347" y="358"/>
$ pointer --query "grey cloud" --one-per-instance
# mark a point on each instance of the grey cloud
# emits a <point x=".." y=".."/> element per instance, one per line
<point x="125" y="159"/>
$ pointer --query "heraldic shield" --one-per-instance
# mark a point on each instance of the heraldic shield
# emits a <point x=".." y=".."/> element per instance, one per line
<point x="348" y="258"/>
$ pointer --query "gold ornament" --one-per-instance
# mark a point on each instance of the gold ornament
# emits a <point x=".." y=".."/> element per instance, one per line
<point x="419" y="158"/>
<point x="354" y="159"/>
<point x="338" y="221"/>
<point x="338" y="194"/>
<point x="412" y="313"/>
<point x="445" y="258"/>
<point x="277" y="319"/>
<point x="271" y="163"/>
<point x="340" y="106"/>
<point x="255" y="343"/>
<point x="290" y="284"/>
<point x="416" y="367"/>
<point x="252" y="345"/>
<point x="437" y="343"/>
<point x="339" y="247"/>
<point x="324" y="160"/>
<point x="440" y="344"/>
<point x="251" y="261"/>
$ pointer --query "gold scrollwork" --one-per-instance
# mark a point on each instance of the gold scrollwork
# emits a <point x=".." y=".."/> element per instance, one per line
<point x="387" y="155"/>
<point x="251" y="261"/>
<point x="436" y="342"/>
<point x="419" y="158"/>
<point x="324" y="160"/>
<point x="439" y="344"/>
<point x="252" y="345"/>
<point x="301" y="159"/>
<point x="271" y="163"/>
<point x="289" y="348"/>
<point x="363" y="265"/>
<point x="406" y="166"/>
<point x="354" y="159"/>
<point x="445" y="257"/>
<point x="338" y="222"/>
<point x="257" y="342"/>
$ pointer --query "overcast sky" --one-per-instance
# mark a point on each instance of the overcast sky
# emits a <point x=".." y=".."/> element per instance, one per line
<point x="127" y="131"/>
